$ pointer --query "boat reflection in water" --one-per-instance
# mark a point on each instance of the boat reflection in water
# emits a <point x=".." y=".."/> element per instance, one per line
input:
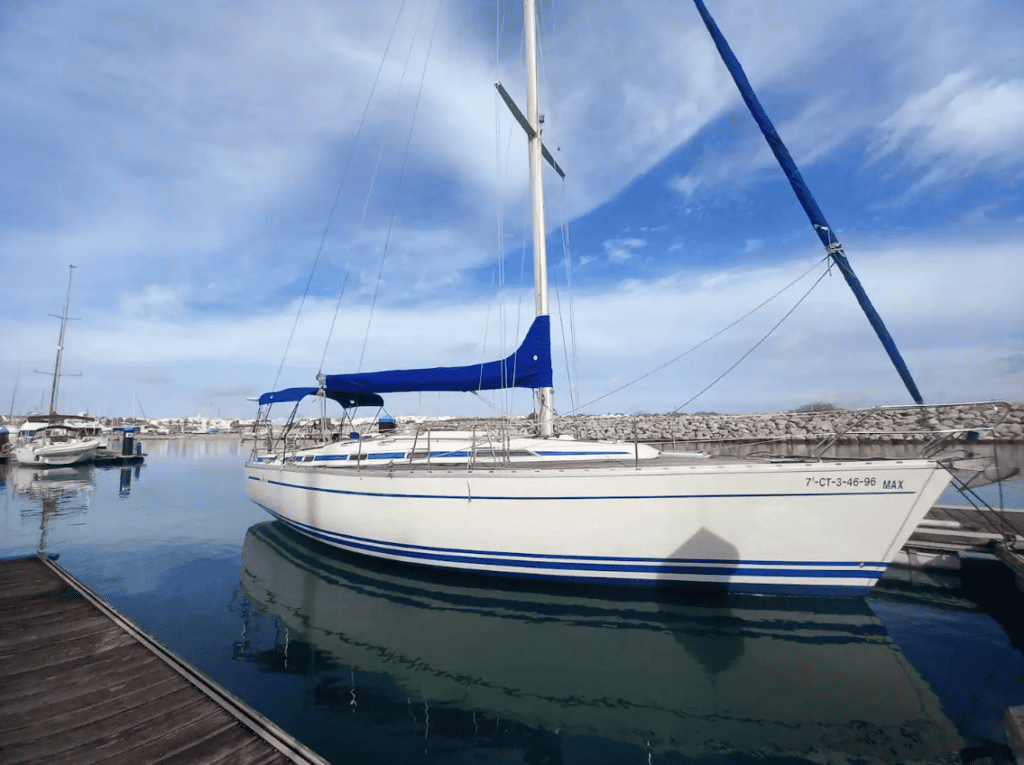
<point x="56" y="492"/>
<point x="803" y="678"/>
<point x="51" y="485"/>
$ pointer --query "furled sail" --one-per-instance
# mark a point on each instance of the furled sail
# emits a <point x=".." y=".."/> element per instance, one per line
<point x="528" y="367"/>
<point x="347" y="399"/>
<point x="803" y="193"/>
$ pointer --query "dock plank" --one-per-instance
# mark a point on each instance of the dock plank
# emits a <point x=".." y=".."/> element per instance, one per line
<point x="66" y="654"/>
<point x="29" y="591"/>
<point x="114" y="693"/>
<point x="86" y="740"/>
<point x="26" y="727"/>
<point x="70" y="683"/>
<point x="22" y="570"/>
<point x="143" y="736"/>
<point x="251" y="754"/>
<point x="53" y="595"/>
<point x="32" y="637"/>
<point x="15" y="616"/>
<point x="191" y="742"/>
<point x="213" y="749"/>
<point x="79" y="684"/>
<point x="36" y="616"/>
<point x="275" y="758"/>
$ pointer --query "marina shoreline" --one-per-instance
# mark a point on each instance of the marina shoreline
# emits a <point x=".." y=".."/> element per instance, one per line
<point x="918" y="425"/>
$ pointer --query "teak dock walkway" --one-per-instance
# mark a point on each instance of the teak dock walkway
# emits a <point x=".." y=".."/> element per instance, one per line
<point x="81" y="684"/>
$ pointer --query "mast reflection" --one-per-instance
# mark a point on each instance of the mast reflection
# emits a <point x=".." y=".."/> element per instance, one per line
<point x="788" y="677"/>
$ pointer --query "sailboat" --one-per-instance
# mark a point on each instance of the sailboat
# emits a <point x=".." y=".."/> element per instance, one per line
<point x="57" y="440"/>
<point x="557" y="507"/>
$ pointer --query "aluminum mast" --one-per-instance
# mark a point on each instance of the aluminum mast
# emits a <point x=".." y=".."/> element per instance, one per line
<point x="545" y="396"/>
<point x="60" y="345"/>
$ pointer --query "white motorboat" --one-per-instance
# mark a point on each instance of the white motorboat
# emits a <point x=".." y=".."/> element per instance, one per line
<point x="54" y="444"/>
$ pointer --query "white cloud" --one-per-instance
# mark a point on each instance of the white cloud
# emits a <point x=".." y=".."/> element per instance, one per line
<point x="959" y="122"/>
<point x="956" y="327"/>
<point x="686" y="184"/>
<point x="185" y="133"/>
<point x="619" y="250"/>
<point x="153" y="299"/>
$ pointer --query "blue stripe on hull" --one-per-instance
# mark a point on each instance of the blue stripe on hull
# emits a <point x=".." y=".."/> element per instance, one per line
<point x="402" y="547"/>
<point x="600" y="497"/>
<point x="559" y="567"/>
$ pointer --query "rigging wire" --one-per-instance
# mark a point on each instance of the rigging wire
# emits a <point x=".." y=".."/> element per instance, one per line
<point x="574" y="376"/>
<point x="352" y="257"/>
<point x="509" y="394"/>
<point x="337" y="197"/>
<point x="824" y="273"/>
<point x="499" y="199"/>
<point x="483" y="353"/>
<point x="491" y="405"/>
<point x="502" y="164"/>
<point x="565" y="350"/>
<point x="716" y="334"/>
<point x="405" y="157"/>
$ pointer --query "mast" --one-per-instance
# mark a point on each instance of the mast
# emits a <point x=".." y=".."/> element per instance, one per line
<point x="60" y="346"/>
<point x="545" y="396"/>
<point x="13" y="395"/>
<point x="803" y="193"/>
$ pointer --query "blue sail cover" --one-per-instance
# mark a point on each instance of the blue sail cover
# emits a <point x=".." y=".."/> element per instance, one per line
<point x="288" y="394"/>
<point x="807" y="201"/>
<point x="528" y="367"/>
<point x="347" y="399"/>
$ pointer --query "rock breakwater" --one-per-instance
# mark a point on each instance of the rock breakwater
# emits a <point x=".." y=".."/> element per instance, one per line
<point x="987" y="422"/>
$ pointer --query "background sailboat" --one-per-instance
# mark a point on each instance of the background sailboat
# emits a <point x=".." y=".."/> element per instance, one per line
<point x="53" y="441"/>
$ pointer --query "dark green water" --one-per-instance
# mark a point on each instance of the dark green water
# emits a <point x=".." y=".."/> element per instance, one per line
<point x="368" y="662"/>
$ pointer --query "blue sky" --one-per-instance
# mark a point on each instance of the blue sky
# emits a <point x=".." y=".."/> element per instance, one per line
<point x="185" y="158"/>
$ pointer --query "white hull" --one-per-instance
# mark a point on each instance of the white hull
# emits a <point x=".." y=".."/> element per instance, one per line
<point x="758" y="527"/>
<point x="57" y="454"/>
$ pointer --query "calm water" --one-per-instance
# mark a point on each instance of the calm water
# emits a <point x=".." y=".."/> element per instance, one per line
<point x="366" y="662"/>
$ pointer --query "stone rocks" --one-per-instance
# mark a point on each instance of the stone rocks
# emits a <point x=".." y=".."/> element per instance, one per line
<point x="913" y="424"/>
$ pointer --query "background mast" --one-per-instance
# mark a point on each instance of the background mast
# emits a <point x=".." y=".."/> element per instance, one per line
<point x="60" y="345"/>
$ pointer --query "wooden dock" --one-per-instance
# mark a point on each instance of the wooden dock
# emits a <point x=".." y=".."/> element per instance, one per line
<point x="81" y="684"/>
<point x="950" y="532"/>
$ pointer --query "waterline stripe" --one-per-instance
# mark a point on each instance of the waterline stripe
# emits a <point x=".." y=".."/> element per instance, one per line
<point x="851" y="570"/>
